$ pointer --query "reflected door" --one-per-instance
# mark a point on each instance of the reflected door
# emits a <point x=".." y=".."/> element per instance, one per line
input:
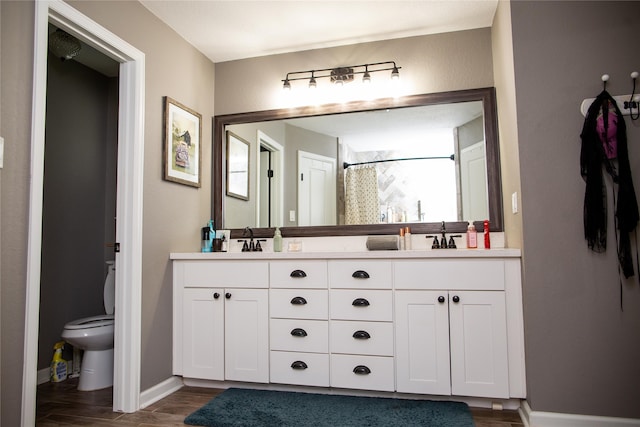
<point x="316" y="189"/>
<point x="473" y="180"/>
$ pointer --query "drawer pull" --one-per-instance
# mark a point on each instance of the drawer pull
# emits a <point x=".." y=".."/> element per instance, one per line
<point x="299" y="364"/>
<point x="361" y="335"/>
<point x="299" y="332"/>
<point x="296" y="274"/>
<point x="361" y="370"/>
<point x="298" y="301"/>
<point x="441" y="299"/>
<point x="216" y="295"/>
<point x="360" y="274"/>
<point x="227" y="295"/>
<point x="360" y="302"/>
<point x="456" y="298"/>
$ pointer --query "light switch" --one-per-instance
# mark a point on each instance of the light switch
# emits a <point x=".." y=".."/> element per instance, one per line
<point x="292" y="216"/>
<point x="514" y="202"/>
<point x="1" y="152"/>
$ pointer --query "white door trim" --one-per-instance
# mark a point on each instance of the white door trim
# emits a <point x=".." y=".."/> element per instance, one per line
<point x="277" y="165"/>
<point x="126" y="388"/>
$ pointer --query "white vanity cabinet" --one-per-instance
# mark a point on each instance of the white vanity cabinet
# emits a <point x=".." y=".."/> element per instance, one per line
<point x="451" y="328"/>
<point x="419" y="322"/>
<point x="223" y="314"/>
<point x="299" y="330"/>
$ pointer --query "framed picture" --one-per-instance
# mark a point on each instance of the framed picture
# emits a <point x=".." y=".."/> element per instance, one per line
<point x="237" y="167"/>
<point x="182" y="151"/>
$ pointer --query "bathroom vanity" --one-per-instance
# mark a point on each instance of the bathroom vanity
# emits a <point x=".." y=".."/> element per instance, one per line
<point x="430" y="322"/>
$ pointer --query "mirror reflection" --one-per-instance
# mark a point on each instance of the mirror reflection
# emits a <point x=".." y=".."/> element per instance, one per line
<point x="365" y="166"/>
<point x="414" y="164"/>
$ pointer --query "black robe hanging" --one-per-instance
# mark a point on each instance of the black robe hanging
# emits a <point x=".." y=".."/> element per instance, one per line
<point x="592" y="160"/>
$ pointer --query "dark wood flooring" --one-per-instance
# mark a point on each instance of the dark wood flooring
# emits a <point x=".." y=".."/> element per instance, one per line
<point x="60" y="404"/>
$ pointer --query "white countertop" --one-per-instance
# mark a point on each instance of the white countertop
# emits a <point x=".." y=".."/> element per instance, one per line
<point x="412" y="254"/>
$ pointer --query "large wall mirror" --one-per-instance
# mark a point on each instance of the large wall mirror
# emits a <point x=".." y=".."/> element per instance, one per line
<point x="366" y="167"/>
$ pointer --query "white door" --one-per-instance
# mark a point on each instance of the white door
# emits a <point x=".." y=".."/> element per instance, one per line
<point x="316" y="189"/>
<point x="422" y="342"/>
<point x="479" y="364"/>
<point x="473" y="180"/>
<point x="203" y="333"/>
<point x="270" y="189"/>
<point x="246" y="341"/>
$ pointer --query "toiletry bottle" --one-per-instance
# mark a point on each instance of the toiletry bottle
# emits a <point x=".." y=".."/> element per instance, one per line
<point x="277" y="241"/>
<point x="205" y="243"/>
<point x="407" y="238"/>
<point x="487" y="239"/>
<point x="472" y="237"/>
<point x="402" y="243"/>
<point x="58" y="369"/>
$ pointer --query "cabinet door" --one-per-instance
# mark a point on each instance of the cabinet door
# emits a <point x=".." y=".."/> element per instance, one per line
<point x="422" y="342"/>
<point x="247" y="335"/>
<point x="203" y="333"/>
<point x="479" y="364"/>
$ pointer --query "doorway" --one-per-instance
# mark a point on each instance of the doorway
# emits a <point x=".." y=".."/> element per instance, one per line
<point x="270" y="183"/>
<point x="130" y="160"/>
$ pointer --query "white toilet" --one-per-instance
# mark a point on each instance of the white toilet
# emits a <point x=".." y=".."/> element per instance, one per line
<point x="94" y="335"/>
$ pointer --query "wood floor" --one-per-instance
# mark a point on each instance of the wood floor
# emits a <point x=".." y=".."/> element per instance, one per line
<point x="60" y="404"/>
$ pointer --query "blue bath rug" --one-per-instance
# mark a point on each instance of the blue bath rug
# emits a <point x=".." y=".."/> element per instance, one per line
<point x="253" y="408"/>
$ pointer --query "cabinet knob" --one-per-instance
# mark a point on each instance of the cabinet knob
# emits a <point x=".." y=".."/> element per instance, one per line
<point x="227" y="295"/>
<point x="361" y="370"/>
<point x="441" y="299"/>
<point x="360" y="302"/>
<point x="298" y="274"/>
<point x="360" y="274"/>
<point x="361" y="335"/>
<point x="299" y="332"/>
<point x="216" y="295"/>
<point x="456" y="298"/>
<point x="298" y="301"/>
<point x="299" y="364"/>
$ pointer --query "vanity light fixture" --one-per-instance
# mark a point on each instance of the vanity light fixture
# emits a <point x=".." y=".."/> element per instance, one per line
<point x="342" y="75"/>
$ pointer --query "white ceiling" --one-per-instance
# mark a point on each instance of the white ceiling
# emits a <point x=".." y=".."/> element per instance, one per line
<point x="238" y="29"/>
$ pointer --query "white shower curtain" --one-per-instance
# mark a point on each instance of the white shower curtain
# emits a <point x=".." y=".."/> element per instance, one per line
<point x="361" y="196"/>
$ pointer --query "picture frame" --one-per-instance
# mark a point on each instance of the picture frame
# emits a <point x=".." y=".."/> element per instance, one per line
<point x="182" y="148"/>
<point x="237" y="167"/>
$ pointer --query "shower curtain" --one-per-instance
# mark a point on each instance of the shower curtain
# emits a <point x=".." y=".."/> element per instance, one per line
<point x="361" y="196"/>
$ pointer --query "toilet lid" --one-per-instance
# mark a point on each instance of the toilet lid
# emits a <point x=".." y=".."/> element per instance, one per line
<point x="91" y="322"/>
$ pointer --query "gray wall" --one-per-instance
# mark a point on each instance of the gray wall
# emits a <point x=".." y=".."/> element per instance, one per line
<point x="582" y="349"/>
<point x="79" y="166"/>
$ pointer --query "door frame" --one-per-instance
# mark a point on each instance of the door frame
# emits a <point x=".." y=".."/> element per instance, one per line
<point x="277" y="165"/>
<point x="129" y="202"/>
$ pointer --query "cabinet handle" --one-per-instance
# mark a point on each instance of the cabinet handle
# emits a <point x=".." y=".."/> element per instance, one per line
<point x="299" y="332"/>
<point x="227" y="295"/>
<point x="361" y="335"/>
<point x="298" y="301"/>
<point x="360" y="302"/>
<point x="456" y="298"/>
<point x="298" y="274"/>
<point x="361" y="370"/>
<point x="441" y="299"/>
<point x="360" y="274"/>
<point x="299" y="364"/>
<point x="216" y="295"/>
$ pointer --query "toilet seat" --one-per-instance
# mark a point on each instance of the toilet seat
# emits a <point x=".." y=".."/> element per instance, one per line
<point x="90" y="322"/>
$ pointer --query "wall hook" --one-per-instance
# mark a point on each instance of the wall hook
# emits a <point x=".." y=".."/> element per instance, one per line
<point x="631" y="104"/>
<point x="605" y="79"/>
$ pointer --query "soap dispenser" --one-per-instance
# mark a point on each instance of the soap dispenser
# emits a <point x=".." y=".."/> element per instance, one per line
<point x="277" y="240"/>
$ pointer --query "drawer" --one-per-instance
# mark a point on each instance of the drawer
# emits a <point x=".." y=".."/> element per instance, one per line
<point x="469" y="274"/>
<point x="310" y="369"/>
<point x="360" y="274"/>
<point x="298" y="274"/>
<point x="223" y="274"/>
<point x="299" y="335"/>
<point x="299" y="303"/>
<point x="371" y="372"/>
<point x="371" y="338"/>
<point x="347" y="304"/>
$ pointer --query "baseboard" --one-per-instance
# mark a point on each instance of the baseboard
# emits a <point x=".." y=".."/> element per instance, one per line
<point x="554" y="419"/>
<point x="160" y="391"/>
<point x="44" y="376"/>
